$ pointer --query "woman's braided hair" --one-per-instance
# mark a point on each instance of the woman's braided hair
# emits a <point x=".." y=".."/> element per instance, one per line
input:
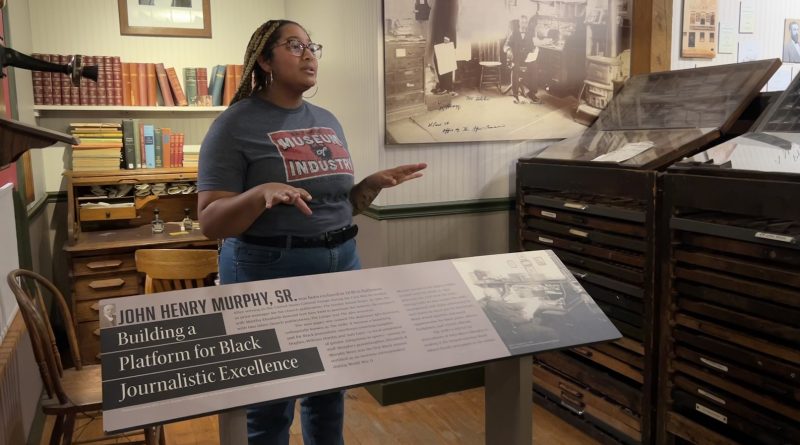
<point x="254" y="78"/>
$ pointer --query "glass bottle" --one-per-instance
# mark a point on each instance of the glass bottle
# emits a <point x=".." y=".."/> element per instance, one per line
<point x="158" y="223"/>
<point x="187" y="221"/>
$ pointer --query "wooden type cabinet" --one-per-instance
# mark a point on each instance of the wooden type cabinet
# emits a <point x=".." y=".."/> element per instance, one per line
<point x="404" y="79"/>
<point x="103" y="240"/>
<point x="730" y="308"/>
<point x="600" y="222"/>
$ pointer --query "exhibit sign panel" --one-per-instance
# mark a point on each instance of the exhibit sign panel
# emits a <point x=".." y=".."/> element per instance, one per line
<point x="180" y="354"/>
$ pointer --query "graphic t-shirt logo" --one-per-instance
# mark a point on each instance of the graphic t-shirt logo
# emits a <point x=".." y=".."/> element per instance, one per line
<point x="312" y="152"/>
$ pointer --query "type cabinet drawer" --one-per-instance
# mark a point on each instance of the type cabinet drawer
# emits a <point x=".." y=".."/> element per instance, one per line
<point x="106" y="263"/>
<point x="582" y="401"/>
<point x="108" y="285"/>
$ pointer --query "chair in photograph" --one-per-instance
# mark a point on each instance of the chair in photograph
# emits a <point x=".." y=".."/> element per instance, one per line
<point x="74" y="394"/>
<point x="490" y="63"/>
<point x="174" y="269"/>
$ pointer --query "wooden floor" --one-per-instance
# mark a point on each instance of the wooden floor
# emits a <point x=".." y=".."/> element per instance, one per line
<point x="455" y="418"/>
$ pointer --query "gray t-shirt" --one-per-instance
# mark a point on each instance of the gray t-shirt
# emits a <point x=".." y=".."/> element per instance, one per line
<point x="254" y="142"/>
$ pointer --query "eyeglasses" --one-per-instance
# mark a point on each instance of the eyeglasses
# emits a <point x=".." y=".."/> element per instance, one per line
<point x="297" y="48"/>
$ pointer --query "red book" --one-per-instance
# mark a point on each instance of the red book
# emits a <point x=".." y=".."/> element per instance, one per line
<point x="141" y="145"/>
<point x="237" y="77"/>
<point x="69" y="94"/>
<point x="202" y="82"/>
<point x="163" y="85"/>
<point x="98" y="87"/>
<point x="52" y="84"/>
<point x="134" y="74"/>
<point x="37" y="78"/>
<point x="152" y="84"/>
<point x="116" y="79"/>
<point x="230" y="86"/>
<point x="108" y="81"/>
<point x="127" y="92"/>
<point x="175" y="84"/>
<point x="180" y="149"/>
<point x="141" y="69"/>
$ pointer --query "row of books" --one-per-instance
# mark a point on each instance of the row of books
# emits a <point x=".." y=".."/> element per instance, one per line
<point x="136" y="84"/>
<point x="131" y="144"/>
<point x="99" y="148"/>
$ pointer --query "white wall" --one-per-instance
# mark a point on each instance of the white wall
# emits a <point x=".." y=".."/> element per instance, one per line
<point x="768" y="35"/>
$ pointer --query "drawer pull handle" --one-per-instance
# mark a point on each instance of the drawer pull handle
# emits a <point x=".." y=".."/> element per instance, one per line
<point x="776" y="237"/>
<point x="576" y="205"/>
<point x="579" y="410"/>
<point x="96" y="332"/>
<point x="107" y="284"/>
<point x="579" y="233"/>
<point x="567" y="390"/>
<point x="95" y="307"/>
<point x="99" y="265"/>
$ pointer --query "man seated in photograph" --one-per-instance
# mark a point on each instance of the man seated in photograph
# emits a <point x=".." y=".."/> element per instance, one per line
<point x="520" y="48"/>
<point x="516" y="47"/>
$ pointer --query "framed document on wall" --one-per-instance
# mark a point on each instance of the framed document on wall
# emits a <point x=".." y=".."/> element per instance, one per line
<point x="165" y="18"/>
<point x="699" y="32"/>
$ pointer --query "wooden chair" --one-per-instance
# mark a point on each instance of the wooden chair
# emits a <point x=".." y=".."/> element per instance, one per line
<point x="74" y="392"/>
<point x="489" y="60"/>
<point x="173" y="269"/>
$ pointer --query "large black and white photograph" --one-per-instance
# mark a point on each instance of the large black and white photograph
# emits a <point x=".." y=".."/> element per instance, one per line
<point x="531" y="299"/>
<point x="489" y="70"/>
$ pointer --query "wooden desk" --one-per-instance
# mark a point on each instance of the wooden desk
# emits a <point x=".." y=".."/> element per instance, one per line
<point x="101" y="247"/>
<point x="102" y="265"/>
<point x="558" y="69"/>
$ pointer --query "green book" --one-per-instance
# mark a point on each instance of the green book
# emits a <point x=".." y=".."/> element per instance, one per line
<point x="190" y="79"/>
<point x="159" y="149"/>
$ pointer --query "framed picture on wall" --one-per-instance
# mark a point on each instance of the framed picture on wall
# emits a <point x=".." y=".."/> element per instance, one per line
<point x="492" y="70"/>
<point x="791" y="41"/>
<point x="699" y="29"/>
<point x="165" y="18"/>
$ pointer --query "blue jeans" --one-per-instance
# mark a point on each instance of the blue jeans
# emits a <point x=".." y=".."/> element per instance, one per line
<point x="322" y="416"/>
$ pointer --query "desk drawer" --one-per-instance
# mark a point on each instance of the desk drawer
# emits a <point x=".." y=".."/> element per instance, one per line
<point x="104" y="286"/>
<point x="105" y="263"/>
<point x="413" y="74"/>
<point x="107" y="213"/>
<point x="405" y="86"/>
<point x="89" y="341"/>
<point x="404" y="100"/>
<point x="87" y="310"/>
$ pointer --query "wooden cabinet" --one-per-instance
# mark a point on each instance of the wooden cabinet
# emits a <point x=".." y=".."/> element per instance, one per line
<point x="730" y="328"/>
<point x="102" y="241"/>
<point x="405" y="79"/>
<point x="602" y="227"/>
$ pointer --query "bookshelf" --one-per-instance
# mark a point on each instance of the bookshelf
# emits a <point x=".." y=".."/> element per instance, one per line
<point x="193" y="122"/>
<point x="115" y="108"/>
